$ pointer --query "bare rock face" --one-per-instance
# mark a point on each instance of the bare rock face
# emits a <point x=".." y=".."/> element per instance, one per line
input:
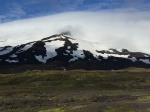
<point x="75" y="53"/>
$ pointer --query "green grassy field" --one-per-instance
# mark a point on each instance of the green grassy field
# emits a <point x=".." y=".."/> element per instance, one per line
<point x="125" y="90"/>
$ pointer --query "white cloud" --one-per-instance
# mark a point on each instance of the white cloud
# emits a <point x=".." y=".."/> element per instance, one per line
<point x="113" y="29"/>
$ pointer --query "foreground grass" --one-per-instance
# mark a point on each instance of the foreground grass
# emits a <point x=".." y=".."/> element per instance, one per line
<point x="75" y="91"/>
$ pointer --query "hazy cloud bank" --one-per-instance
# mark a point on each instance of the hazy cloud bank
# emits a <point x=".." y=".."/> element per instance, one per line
<point x="113" y="29"/>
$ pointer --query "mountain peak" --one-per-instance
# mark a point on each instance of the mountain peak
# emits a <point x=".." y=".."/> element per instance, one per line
<point x="61" y="36"/>
<point x="66" y="33"/>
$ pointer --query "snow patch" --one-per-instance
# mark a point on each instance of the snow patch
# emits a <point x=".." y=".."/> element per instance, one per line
<point x="93" y="47"/>
<point x="73" y="59"/>
<point x="13" y="56"/>
<point x="78" y="53"/>
<point x="50" y="50"/>
<point x="145" y="61"/>
<point x="65" y="54"/>
<point x="68" y="47"/>
<point x="117" y="55"/>
<point x="40" y="58"/>
<point x="26" y="47"/>
<point x="12" y="61"/>
<point x="133" y="59"/>
<point x="6" y="51"/>
<point x="146" y="55"/>
<point x="67" y="51"/>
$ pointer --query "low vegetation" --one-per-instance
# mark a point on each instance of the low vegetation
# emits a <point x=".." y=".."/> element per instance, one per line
<point x="125" y="90"/>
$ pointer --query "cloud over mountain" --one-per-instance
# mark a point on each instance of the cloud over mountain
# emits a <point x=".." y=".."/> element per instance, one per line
<point x="112" y="28"/>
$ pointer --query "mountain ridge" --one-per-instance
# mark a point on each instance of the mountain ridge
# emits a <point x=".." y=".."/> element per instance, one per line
<point x="64" y="48"/>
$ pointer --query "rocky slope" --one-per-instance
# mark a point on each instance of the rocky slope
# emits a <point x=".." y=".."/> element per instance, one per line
<point x="77" y="54"/>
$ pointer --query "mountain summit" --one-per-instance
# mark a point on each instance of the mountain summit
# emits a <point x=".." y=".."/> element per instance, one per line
<point x="76" y="53"/>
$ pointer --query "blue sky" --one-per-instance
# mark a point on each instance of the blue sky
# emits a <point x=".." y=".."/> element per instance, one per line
<point x="20" y="9"/>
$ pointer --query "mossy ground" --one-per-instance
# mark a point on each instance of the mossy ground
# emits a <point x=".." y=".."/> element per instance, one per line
<point x="75" y="91"/>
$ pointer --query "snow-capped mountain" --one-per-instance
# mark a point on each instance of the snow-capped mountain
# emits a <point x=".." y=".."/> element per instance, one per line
<point x="64" y="48"/>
